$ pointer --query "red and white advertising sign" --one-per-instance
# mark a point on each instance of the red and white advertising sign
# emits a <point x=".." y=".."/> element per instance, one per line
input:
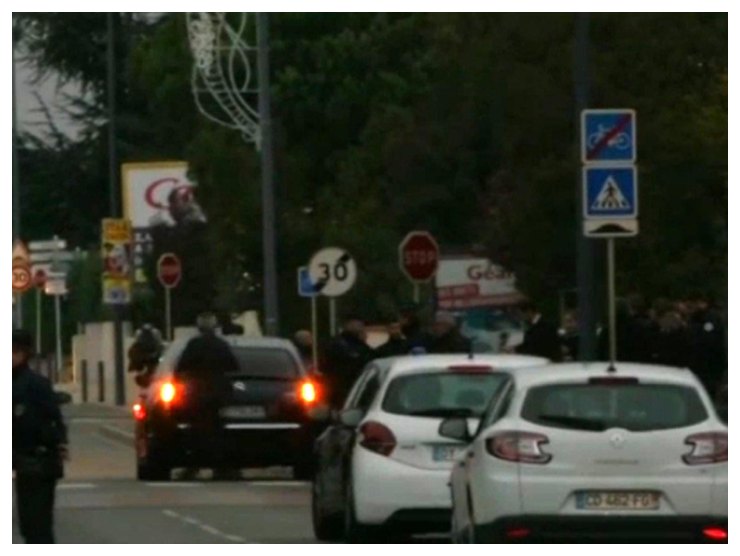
<point x="418" y="256"/>
<point x="169" y="270"/>
<point x="147" y="189"/>
<point x="467" y="282"/>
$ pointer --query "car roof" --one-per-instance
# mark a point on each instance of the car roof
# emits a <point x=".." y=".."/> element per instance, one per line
<point x="410" y="364"/>
<point x="568" y="372"/>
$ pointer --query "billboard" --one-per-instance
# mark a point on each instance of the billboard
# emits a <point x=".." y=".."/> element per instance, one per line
<point x="469" y="282"/>
<point x="157" y="194"/>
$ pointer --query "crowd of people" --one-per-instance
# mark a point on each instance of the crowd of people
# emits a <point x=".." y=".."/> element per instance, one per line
<point x="689" y="333"/>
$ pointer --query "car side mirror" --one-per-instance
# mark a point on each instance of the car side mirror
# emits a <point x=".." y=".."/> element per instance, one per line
<point x="455" y="428"/>
<point x="320" y="413"/>
<point x="63" y="397"/>
<point x="351" y="417"/>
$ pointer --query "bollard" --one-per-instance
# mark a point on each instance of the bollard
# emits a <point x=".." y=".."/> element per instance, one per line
<point x="83" y="369"/>
<point x="101" y="381"/>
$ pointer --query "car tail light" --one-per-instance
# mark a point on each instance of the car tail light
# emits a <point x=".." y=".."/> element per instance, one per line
<point x="307" y="392"/>
<point x="168" y="393"/>
<point x="524" y="447"/>
<point x="613" y="380"/>
<point x="715" y="533"/>
<point x="377" y="438"/>
<point x="139" y="411"/>
<point x="518" y="533"/>
<point x="707" y="447"/>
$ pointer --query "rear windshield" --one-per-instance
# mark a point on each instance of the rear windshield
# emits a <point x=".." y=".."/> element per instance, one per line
<point x="635" y="407"/>
<point x="442" y="394"/>
<point x="266" y="363"/>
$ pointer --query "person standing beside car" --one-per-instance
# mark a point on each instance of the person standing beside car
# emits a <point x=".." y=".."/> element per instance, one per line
<point x="39" y="445"/>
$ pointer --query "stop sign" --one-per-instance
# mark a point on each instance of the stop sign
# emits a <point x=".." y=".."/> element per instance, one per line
<point x="419" y="256"/>
<point x="169" y="270"/>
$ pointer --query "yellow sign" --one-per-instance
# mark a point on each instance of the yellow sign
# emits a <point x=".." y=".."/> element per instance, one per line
<point x="117" y="261"/>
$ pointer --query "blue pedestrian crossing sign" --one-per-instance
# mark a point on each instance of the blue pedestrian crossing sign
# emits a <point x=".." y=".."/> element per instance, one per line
<point x="608" y="135"/>
<point x="610" y="192"/>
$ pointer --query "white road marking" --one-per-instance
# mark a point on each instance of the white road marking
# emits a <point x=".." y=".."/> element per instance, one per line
<point x="203" y="526"/>
<point x="75" y="486"/>
<point x="279" y="483"/>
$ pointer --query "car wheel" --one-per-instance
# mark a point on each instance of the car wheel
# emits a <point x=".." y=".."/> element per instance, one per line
<point x="325" y="527"/>
<point x="354" y="531"/>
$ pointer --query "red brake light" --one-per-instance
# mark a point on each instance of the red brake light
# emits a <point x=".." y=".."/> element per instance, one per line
<point x="715" y="533"/>
<point x="308" y="392"/>
<point x="377" y="438"/>
<point x="471" y="369"/>
<point x="523" y="447"/>
<point x="167" y="393"/>
<point x="139" y="411"/>
<point x="707" y="447"/>
<point x="518" y="533"/>
<point x="613" y="380"/>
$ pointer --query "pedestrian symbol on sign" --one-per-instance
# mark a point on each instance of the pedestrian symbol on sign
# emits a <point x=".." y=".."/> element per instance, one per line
<point x="610" y="197"/>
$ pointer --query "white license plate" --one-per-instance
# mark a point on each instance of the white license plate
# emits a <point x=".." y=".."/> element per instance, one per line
<point x="618" y="500"/>
<point x="244" y="412"/>
<point x="445" y="453"/>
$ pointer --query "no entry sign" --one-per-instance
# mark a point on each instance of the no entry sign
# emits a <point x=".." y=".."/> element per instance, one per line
<point x="418" y="256"/>
<point x="169" y="270"/>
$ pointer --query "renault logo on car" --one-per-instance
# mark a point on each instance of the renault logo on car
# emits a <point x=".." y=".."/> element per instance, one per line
<point x="617" y="440"/>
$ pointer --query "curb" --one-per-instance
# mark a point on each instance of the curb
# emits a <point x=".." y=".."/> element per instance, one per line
<point x="116" y="434"/>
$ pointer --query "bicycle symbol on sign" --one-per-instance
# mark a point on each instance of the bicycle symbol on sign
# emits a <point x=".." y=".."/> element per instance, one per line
<point x="620" y="141"/>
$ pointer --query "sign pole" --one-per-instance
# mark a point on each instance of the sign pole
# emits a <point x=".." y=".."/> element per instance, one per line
<point x="58" y="322"/>
<point x="612" y="303"/>
<point x="333" y="316"/>
<point x="18" y="310"/>
<point x="315" y="333"/>
<point x="417" y="293"/>
<point x="168" y="314"/>
<point x="38" y="321"/>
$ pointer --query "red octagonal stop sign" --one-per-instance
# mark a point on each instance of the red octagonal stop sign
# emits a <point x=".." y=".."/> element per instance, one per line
<point x="169" y="270"/>
<point x="419" y="256"/>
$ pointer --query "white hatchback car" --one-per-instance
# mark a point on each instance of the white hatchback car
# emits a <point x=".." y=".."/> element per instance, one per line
<point x="574" y="452"/>
<point x="382" y="466"/>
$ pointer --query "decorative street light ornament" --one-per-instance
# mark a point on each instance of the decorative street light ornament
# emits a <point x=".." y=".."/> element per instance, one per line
<point x="222" y="71"/>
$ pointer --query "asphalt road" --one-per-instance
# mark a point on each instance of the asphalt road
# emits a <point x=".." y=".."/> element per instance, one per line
<point x="99" y="501"/>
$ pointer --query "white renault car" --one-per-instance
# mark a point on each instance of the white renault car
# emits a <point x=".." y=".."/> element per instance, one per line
<point x="581" y="452"/>
<point x="382" y="467"/>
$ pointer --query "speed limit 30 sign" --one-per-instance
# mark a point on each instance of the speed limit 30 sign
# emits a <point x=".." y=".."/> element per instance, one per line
<point x="333" y="270"/>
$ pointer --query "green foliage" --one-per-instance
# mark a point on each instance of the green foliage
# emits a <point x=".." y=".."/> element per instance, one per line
<point x="461" y="124"/>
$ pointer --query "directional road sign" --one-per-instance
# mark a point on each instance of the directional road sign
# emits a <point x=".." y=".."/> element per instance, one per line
<point x="610" y="192"/>
<point x="306" y="287"/>
<point x="608" y="135"/>
<point x="336" y="268"/>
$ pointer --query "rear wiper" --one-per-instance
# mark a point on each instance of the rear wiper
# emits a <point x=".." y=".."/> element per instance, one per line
<point x="575" y="422"/>
<point x="443" y="412"/>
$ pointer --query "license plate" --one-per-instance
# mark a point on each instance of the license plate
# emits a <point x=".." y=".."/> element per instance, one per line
<point x="618" y="500"/>
<point x="444" y="453"/>
<point x="244" y="412"/>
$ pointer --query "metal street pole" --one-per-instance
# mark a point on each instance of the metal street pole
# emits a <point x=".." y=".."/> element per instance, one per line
<point x="38" y="320"/>
<point x="113" y="199"/>
<point x="58" y="325"/>
<point x="584" y="247"/>
<point x="417" y="293"/>
<point x="168" y="314"/>
<point x="315" y="332"/>
<point x="18" y="316"/>
<point x="612" y="302"/>
<point x="333" y="316"/>
<point x="272" y="319"/>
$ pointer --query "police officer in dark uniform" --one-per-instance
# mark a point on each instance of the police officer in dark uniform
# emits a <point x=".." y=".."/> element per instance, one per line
<point x="39" y="445"/>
